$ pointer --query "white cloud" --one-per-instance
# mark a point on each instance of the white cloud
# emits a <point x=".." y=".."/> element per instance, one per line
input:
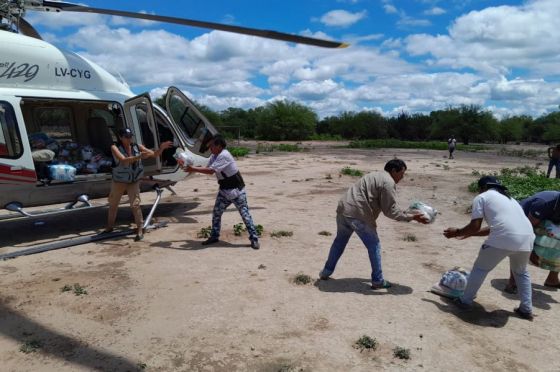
<point x="342" y="18"/>
<point x="390" y="9"/>
<point x="435" y="11"/>
<point x="498" y="39"/>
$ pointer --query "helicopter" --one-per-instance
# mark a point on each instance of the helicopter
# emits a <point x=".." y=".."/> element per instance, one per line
<point x="60" y="113"/>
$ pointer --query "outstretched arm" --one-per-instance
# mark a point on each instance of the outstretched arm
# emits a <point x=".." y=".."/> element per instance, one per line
<point x="469" y="230"/>
<point x="204" y="170"/>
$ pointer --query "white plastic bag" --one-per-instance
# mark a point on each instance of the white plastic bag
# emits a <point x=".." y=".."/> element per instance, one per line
<point x="452" y="283"/>
<point x="184" y="158"/>
<point x="429" y="212"/>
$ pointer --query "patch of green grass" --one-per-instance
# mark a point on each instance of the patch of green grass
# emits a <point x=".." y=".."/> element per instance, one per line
<point x="347" y="171"/>
<point x="142" y="366"/>
<point x="286" y="147"/>
<point x="79" y="290"/>
<point x="302" y="279"/>
<point x="238" y="229"/>
<point x="395" y="143"/>
<point x="238" y="152"/>
<point x="366" y="342"/>
<point x="325" y="233"/>
<point x="401" y="353"/>
<point x="521" y="182"/>
<point x="66" y="288"/>
<point x="30" y="346"/>
<point x="259" y="229"/>
<point x="204" y="232"/>
<point x="410" y="238"/>
<point x="281" y="233"/>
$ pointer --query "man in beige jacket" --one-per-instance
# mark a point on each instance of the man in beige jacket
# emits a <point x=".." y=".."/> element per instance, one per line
<point x="358" y="210"/>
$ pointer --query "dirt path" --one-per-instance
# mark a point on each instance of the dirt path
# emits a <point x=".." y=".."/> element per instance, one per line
<point x="170" y="304"/>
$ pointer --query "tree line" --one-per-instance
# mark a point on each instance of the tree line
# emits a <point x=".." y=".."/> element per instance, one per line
<point x="291" y="121"/>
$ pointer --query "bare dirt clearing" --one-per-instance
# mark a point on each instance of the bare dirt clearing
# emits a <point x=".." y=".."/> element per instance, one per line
<point x="168" y="303"/>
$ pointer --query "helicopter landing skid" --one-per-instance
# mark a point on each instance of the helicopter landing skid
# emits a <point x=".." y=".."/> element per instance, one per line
<point x="91" y="238"/>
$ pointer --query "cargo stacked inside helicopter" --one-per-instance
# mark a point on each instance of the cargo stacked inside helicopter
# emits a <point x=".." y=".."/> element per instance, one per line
<point x="71" y="140"/>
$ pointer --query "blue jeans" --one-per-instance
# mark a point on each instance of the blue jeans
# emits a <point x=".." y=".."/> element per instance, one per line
<point x="241" y="204"/>
<point x="553" y="163"/>
<point x="345" y="226"/>
<point x="488" y="258"/>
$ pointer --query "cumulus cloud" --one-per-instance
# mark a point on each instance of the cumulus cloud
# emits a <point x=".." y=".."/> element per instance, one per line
<point x="496" y="40"/>
<point x="342" y="18"/>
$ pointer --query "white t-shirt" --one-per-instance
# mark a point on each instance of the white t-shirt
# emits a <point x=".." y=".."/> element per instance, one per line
<point x="510" y="229"/>
<point x="223" y="162"/>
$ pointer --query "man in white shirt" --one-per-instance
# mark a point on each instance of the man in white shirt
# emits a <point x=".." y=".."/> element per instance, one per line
<point x="232" y="190"/>
<point x="510" y="234"/>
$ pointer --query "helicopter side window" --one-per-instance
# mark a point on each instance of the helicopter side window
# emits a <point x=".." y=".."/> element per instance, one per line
<point x="10" y="139"/>
<point x="186" y="118"/>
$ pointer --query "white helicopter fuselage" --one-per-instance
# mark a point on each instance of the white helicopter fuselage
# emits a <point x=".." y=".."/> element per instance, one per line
<point x="51" y="99"/>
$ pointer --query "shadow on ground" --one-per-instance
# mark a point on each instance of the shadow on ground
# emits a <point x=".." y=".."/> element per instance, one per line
<point x="49" y="342"/>
<point x="478" y="315"/>
<point x="26" y="232"/>
<point x="359" y="285"/>
<point x="541" y="299"/>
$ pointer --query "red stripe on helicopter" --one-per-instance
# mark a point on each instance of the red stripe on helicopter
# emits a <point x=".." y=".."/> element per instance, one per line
<point x="23" y="175"/>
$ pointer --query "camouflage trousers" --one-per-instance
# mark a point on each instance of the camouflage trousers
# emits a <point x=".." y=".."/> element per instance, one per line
<point x="240" y="203"/>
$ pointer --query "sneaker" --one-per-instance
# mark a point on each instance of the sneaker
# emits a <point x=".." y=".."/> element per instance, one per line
<point x="522" y="314"/>
<point x="138" y="237"/>
<point x="460" y="304"/>
<point x="210" y="240"/>
<point x="255" y="244"/>
<point x="384" y="284"/>
<point x="323" y="276"/>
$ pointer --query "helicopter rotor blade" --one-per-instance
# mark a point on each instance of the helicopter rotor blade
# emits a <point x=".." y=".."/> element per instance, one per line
<point x="69" y="7"/>
<point x="26" y="28"/>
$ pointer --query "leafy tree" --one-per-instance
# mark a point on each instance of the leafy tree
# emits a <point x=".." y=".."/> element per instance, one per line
<point x="285" y="120"/>
<point x="511" y="128"/>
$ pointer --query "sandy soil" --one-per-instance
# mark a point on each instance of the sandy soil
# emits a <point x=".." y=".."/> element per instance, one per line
<point x="170" y="304"/>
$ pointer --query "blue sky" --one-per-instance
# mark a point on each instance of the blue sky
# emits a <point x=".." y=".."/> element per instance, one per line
<point x="405" y="55"/>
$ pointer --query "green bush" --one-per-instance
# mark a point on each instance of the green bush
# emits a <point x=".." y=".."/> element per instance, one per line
<point x="288" y="147"/>
<point x="521" y="182"/>
<point x="238" y="152"/>
<point x="347" y="171"/>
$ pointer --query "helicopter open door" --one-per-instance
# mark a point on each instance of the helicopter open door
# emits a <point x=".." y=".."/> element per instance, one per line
<point x="139" y="114"/>
<point x="195" y="128"/>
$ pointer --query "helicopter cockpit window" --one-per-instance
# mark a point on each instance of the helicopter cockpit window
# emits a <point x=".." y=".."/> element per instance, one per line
<point x="10" y="139"/>
<point x="184" y="116"/>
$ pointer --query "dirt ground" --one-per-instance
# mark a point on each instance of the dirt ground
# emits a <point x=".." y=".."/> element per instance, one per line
<point x="168" y="303"/>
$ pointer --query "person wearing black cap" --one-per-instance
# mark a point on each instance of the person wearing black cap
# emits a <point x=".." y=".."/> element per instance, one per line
<point x="126" y="176"/>
<point x="510" y="234"/>
<point x="544" y="205"/>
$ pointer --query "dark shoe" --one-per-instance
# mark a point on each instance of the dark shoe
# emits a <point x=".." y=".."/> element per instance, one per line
<point x="138" y="237"/>
<point x="552" y="285"/>
<point x="255" y="244"/>
<point x="323" y="276"/>
<point x="460" y="304"/>
<point x="527" y="316"/>
<point x="383" y="285"/>
<point x="210" y="240"/>
<point x="511" y="289"/>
